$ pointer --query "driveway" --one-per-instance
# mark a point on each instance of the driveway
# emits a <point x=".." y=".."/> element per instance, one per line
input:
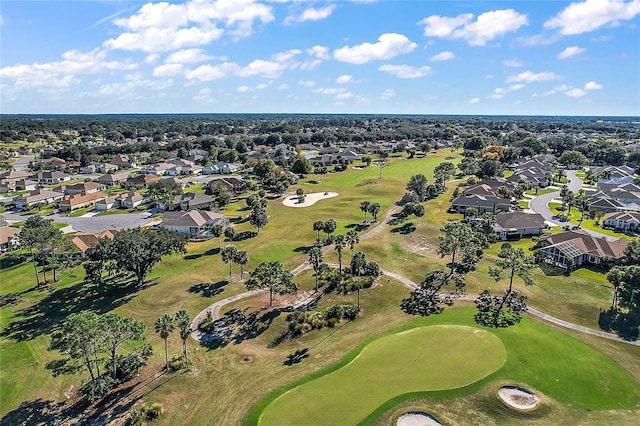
<point x="22" y="162"/>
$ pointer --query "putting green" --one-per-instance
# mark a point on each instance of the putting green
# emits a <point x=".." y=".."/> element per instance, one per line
<point x="420" y="359"/>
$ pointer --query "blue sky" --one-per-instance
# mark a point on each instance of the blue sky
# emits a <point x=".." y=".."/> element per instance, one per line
<point x="360" y="56"/>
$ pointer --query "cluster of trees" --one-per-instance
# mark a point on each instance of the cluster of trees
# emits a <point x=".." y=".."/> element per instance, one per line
<point x="624" y="314"/>
<point x="367" y="207"/>
<point x="272" y="276"/>
<point x="166" y="324"/>
<point x="231" y="255"/>
<point x="100" y="344"/>
<point x="134" y="251"/>
<point x="328" y="227"/>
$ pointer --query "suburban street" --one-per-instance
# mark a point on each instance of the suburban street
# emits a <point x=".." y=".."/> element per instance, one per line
<point x="22" y="162"/>
<point x="540" y="204"/>
<point x="94" y="224"/>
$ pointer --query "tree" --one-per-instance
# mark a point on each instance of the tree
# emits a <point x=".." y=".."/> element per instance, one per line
<point x="442" y="173"/>
<point x="273" y="277"/>
<point x="428" y="299"/>
<point x="217" y="231"/>
<point x="631" y="254"/>
<point x="315" y="260"/>
<point x="241" y="258"/>
<point x="164" y="326"/>
<point x="572" y="158"/>
<point x="164" y="191"/>
<point x="264" y="169"/>
<point x="183" y="322"/>
<point x="491" y="310"/>
<point x="258" y="217"/>
<point x="352" y="239"/>
<point x="116" y="330"/>
<point x="138" y="250"/>
<point x="318" y="226"/>
<point x="229" y="254"/>
<point x="382" y="163"/>
<point x="374" y="209"/>
<point x="626" y="283"/>
<point x="339" y="245"/>
<point x="40" y="237"/>
<point x="301" y="165"/>
<point x="364" y="207"/>
<point x="567" y="197"/>
<point x="230" y="234"/>
<point x="418" y="185"/>
<point x="458" y="238"/>
<point x="330" y="227"/>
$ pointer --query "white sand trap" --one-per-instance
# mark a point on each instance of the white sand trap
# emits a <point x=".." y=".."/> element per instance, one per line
<point x="417" y="419"/>
<point x="518" y="398"/>
<point x="309" y="199"/>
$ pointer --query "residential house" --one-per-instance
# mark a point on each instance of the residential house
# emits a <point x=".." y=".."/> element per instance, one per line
<point x="160" y="169"/>
<point x="105" y="167"/>
<point x="623" y="221"/>
<point x="25" y="185"/>
<point x="131" y="200"/>
<point x="113" y="179"/>
<point x="350" y="155"/>
<point x="576" y="248"/>
<point x="108" y="203"/>
<point x="51" y="178"/>
<point x="515" y="225"/>
<point x="222" y="168"/>
<point x="613" y="171"/>
<point x="88" y="169"/>
<point x="8" y="180"/>
<point x="9" y="238"/>
<point x="233" y="185"/>
<point x="54" y="163"/>
<point x="84" y="188"/>
<point x="197" y="224"/>
<point x="85" y="241"/>
<point x="142" y="181"/>
<point x="124" y="161"/>
<point x="192" y="201"/>
<point x="38" y="196"/>
<point x="534" y="176"/>
<point x="72" y="202"/>
<point x="482" y="203"/>
<point x="604" y="204"/>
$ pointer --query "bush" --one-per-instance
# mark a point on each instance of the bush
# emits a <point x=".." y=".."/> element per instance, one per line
<point x="207" y="325"/>
<point x="176" y="363"/>
<point x="152" y="411"/>
<point x="136" y="418"/>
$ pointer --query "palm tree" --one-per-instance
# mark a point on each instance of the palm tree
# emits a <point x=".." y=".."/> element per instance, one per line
<point x="183" y="322"/>
<point x="241" y="258"/>
<point x="229" y="254"/>
<point x="230" y="233"/>
<point x="352" y="239"/>
<point x="164" y="327"/>
<point x="364" y="206"/>
<point x="217" y="231"/>
<point x="339" y="246"/>
<point x="374" y="209"/>
<point x="318" y="226"/>
<point x="315" y="260"/>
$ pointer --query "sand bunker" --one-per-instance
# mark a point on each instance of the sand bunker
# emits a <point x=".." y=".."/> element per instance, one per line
<point x="417" y="418"/>
<point x="309" y="199"/>
<point x="518" y="398"/>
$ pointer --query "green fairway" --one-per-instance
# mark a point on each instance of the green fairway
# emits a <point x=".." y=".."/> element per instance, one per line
<point x="419" y="359"/>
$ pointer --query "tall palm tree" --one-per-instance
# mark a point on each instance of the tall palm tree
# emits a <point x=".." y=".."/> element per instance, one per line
<point x="183" y="322"/>
<point x="340" y="244"/>
<point x="315" y="260"/>
<point x="352" y="239"/>
<point x="374" y="209"/>
<point x="364" y="206"/>
<point x="229" y="254"/>
<point x="164" y="327"/>
<point x="241" y="258"/>
<point x="318" y="226"/>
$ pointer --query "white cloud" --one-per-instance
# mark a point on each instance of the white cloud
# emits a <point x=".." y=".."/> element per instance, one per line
<point x="168" y="70"/>
<point x="513" y="63"/>
<point x="150" y="59"/>
<point x="389" y="45"/>
<point x="187" y="56"/>
<point x="344" y="79"/>
<point x="443" y="56"/>
<point x="473" y="101"/>
<point x="204" y="95"/>
<point x="530" y="77"/>
<point x="320" y="52"/>
<point x="578" y="18"/>
<point x="211" y="72"/>
<point x="310" y="65"/>
<point x="339" y="93"/>
<point x="486" y="27"/>
<point x="244" y="89"/>
<point x="312" y="14"/>
<point x="499" y="92"/>
<point x="592" y="85"/>
<point x="570" y="52"/>
<point x="575" y="93"/>
<point x="259" y="67"/>
<point x="262" y="86"/>
<point x="160" y="27"/>
<point x="286" y="55"/>
<point x="387" y="94"/>
<point x="307" y="83"/>
<point x="405" y="71"/>
<point x="283" y="86"/>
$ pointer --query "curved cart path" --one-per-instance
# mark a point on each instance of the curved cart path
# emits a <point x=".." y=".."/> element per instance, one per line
<point x="217" y="306"/>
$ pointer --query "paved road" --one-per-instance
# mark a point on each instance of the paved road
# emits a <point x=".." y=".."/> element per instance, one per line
<point x="22" y="162"/>
<point x="94" y="224"/>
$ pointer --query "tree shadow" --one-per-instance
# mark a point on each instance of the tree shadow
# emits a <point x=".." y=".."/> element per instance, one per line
<point x="42" y="317"/>
<point x="245" y="235"/>
<point x="208" y="289"/>
<point x="296" y="357"/>
<point x="38" y="412"/>
<point x="359" y="227"/>
<point x="212" y="252"/>
<point x="238" y="220"/>
<point x="10" y="260"/>
<point x="405" y="229"/>
<point x="303" y="249"/>
<point x="236" y="326"/>
<point x="624" y="324"/>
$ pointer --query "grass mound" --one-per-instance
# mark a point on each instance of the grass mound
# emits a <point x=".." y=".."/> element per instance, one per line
<point x="420" y="359"/>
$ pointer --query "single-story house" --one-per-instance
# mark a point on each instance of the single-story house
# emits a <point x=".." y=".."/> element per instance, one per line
<point x="111" y="179"/>
<point x="222" y="168"/>
<point x="9" y="238"/>
<point x="85" y="241"/>
<point x="84" y="188"/>
<point x="604" y="204"/>
<point x="78" y="201"/>
<point x="131" y="200"/>
<point x="51" y="178"/>
<point x="195" y="223"/>
<point x="624" y="221"/>
<point x="142" y="181"/>
<point x="579" y="247"/>
<point x="191" y="201"/>
<point x="26" y="185"/>
<point x="38" y="196"/>
<point x="108" y="203"/>
<point x="518" y="225"/>
<point x="123" y="161"/>
<point x="233" y="185"/>
<point x="483" y="204"/>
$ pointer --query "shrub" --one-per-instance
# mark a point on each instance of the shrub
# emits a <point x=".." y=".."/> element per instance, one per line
<point x="207" y="325"/>
<point x="136" y="418"/>
<point x="176" y="363"/>
<point x="152" y="411"/>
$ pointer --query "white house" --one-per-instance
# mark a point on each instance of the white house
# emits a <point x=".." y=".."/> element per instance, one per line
<point x="195" y="223"/>
<point x="623" y="221"/>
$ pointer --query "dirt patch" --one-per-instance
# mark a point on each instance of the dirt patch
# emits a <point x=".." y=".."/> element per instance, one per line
<point x="309" y="199"/>
<point x="246" y="359"/>
<point x="419" y="245"/>
<point x="518" y="398"/>
<point x="417" y="418"/>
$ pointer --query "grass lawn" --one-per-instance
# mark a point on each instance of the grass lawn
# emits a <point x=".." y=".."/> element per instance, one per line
<point x="418" y="359"/>
<point x="566" y="372"/>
